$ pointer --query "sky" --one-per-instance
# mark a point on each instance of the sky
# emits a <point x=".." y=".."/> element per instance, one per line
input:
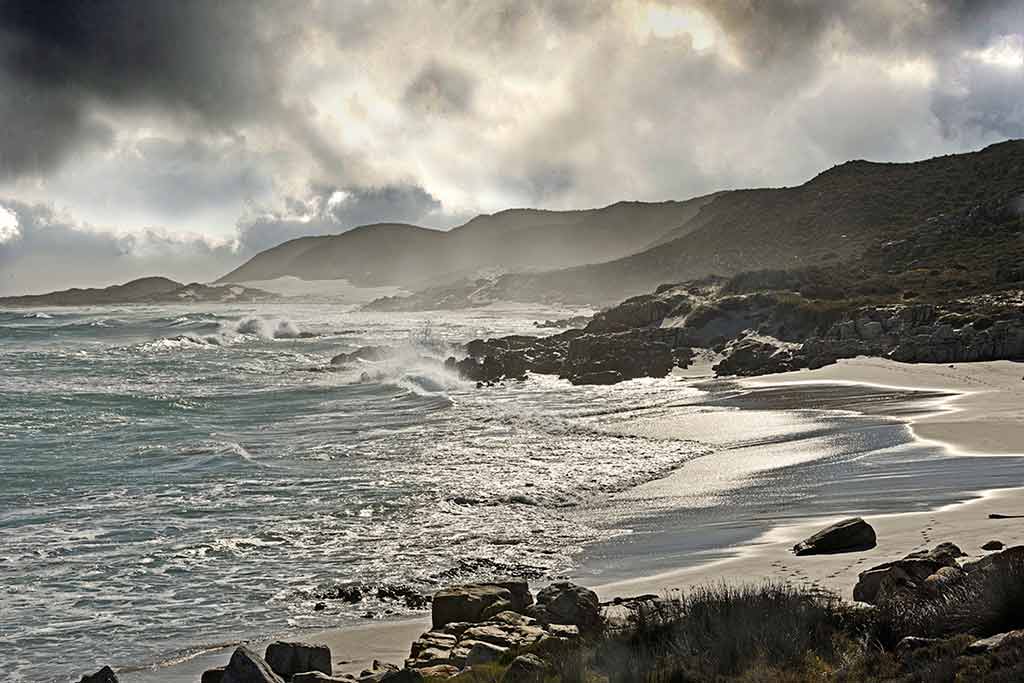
<point x="144" y="137"/>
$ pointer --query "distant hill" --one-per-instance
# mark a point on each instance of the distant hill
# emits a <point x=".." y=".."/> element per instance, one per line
<point x="833" y="218"/>
<point x="143" y="290"/>
<point x="513" y="240"/>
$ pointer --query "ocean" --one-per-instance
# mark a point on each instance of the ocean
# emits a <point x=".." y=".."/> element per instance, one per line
<point x="177" y="477"/>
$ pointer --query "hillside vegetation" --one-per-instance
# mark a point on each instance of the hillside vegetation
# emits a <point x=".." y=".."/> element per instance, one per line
<point x="856" y="214"/>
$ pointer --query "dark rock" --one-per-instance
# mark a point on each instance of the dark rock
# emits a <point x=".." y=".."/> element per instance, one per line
<point x="320" y="607"/>
<point x="845" y="536"/>
<point x="568" y="603"/>
<point x="607" y="358"/>
<point x="403" y="676"/>
<point x="287" y="659"/>
<point x="468" y="603"/>
<point x="1012" y="557"/>
<point x="603" y="377"/>
<point x="213" y="675"/>
<point x="893" y="579"/>
<point x="484" y="653"/>
<point x="759" y="356"/>
<point x="246" y="666"/>
<point x="946" y="553"/>
<point x="364" y="353"/>
<point x="104" y="675"/>
<point x="528" y="668"/>
<point x="917" y="572"/>
<point x="993" y="545"/>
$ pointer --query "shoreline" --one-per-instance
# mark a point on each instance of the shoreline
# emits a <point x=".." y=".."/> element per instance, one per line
<point x="978" y="415"/>
<point x="983" y="415"/>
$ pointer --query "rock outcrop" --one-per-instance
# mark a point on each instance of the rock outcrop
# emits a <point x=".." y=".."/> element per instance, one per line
<point x="475" y="602"/>
<point x="916" y="574"/>
<point x="568" y="603"/>
<point x="576" y="355"/>
<point x="246" y="666"/>
<point x="469" y="626"/>
<point x="288" y="659"/>
<point x="993" y="643"/>
<point x="845" y="536"/>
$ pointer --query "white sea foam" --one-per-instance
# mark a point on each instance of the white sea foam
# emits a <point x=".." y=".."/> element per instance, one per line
<point x="267" y="328"/>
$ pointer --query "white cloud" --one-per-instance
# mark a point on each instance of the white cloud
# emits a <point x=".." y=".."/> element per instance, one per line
<point x="9" y="229"/>
<point x="424" y="111"/>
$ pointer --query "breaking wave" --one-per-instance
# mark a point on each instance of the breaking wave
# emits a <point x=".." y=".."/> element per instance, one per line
<point x="268" y="328"/>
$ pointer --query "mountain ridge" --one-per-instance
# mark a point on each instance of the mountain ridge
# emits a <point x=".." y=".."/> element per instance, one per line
<point x="152" y="289"/>
<point x="834" y="217"/>
<point x="509" y="240"/>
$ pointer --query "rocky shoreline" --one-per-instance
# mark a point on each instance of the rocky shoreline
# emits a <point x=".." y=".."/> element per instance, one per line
<point x="751" y="333"/>
<point x="515" y="636"/>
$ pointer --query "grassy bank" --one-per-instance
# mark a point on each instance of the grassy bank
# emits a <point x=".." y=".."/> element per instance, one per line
<point x="778" y="633"/>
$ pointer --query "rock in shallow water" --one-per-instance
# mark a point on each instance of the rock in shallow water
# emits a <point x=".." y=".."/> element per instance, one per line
<point x="845" y="536"/>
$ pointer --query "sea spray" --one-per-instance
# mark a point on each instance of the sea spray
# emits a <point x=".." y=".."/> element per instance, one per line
<point x="267" y="328"/>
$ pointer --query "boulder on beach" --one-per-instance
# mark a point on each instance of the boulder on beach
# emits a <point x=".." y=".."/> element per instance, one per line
<point x="993" y="643"/>
<point x="288" y="659"/>
<point x="845" y="536"/>
<point x="104" y="675"/>
<point x="567" y="603"/>
<point x="246" y="666"/>
<point x="993" y="545"/>
<point x="917" y="572"/>
<point x="477" y="601"/>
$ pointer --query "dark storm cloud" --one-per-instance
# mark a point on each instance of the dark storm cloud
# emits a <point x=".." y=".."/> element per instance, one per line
<point x="189" y="113"/>
<point x="440" y="89"/>
<point x="218" y="61"/>
<point x="329" y="211"/>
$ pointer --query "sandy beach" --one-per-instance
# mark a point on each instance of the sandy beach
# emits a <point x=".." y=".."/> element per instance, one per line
<point x="982" y="413"/>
